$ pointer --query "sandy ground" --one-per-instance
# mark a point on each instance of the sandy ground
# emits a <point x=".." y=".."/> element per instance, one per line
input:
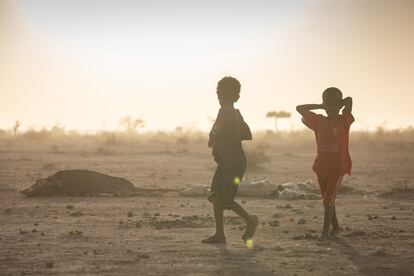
<point x="161" y="235"/>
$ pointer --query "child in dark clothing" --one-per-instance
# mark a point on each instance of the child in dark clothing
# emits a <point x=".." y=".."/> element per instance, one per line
<point x="225" y="138"/>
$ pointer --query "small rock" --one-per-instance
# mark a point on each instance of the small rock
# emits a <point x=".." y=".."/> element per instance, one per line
<point x="69" y="207"/>
<point x="138" y="224"/>
<point x="36" y="224"/>
<point x="301" y="221"/>
<point x="274" y="223"/>
<point x="371" y="217"/>
<point x="49" y="264"/>
<point x="76" y="214"/>
<point x="34" y="230"/>
<point x="42" y="234"/>
<point x="143" y="256"/>
<point x="23" y="232"/>
<point x="7" y="210"/>
<point x="309" y="236"/>
<point x="285" y="231"/>
<point x="156" y="214"/>
<point x="298" y="237"/>
<point x="243" y="201"/>
<point x="130" y="214"/>
<point x="393" y="218"/>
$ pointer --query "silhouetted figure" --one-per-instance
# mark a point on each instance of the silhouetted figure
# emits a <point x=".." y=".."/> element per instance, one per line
<point x="225" y="138"/>
<point x="332" y="138"/>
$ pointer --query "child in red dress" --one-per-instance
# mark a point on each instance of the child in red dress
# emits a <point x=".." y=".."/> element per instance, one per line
<point x="332" y="161"/>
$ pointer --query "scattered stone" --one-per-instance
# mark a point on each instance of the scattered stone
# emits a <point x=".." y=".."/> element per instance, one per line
<point x="277" y="215"/>
<point x="36" y="224"/>
<point x="372" y="217"/>
<point x="309" y="236"/>
<point x="70" y="207"/>
<point x="130" y="214"/>
<point x="42" y="234"/>
<point x="23" y="232"/>
<point x="298" y="237"/>
<point x="76" y="214"/>
<point x="156" y="214"/>
<point x="75" y="233"/>
<point x="146" y="215"/>
<point x="285" y="231"/>
<point x="385" y="207"/>
<point x="315" y="217"/>
<point x="143" y="256"/>
<point x="7" y="210"/>
<point x="379" y="252"/>
<point x="393" y="218"/>
<point x="357" y="233"/>
<point x="274" y="223"/>
<point x="312" y="231"/>
<point x="301" y="221"/>
<point x="287" y="206"/>
<point x="243" y="201"/>
<point x="34" y="230"/>
<point x="138" y="224"/>
<point x="49" y="264"/>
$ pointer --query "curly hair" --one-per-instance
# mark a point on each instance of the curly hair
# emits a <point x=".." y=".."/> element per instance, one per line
<point x="229" y="89"/>
<point x="330" y="92"/>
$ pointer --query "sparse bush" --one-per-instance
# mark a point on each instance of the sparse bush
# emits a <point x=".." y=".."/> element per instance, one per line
<point x="256" y="157"/>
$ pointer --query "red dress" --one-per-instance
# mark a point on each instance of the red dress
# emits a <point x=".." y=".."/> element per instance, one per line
<point x="332" y="161"/>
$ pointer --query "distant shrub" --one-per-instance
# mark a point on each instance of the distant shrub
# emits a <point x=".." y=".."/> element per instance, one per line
<point x="256" y="157"/>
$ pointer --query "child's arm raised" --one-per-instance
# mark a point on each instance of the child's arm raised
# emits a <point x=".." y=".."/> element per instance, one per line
<point x="302" y="109"/>
<point x="347" y="102"/>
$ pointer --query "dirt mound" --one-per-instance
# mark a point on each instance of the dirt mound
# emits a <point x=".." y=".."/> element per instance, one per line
<point x="86" y="183"/>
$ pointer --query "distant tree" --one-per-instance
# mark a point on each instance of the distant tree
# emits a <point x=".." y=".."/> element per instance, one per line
<point x="131" y="125"/>
<point x="16" y="126"/>
<point x="278" y="115"/>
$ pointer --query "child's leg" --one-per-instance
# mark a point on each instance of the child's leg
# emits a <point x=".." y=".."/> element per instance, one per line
<point x="251" y="221"/>
<point x="219" y="236"/>
<point x="327" y="219"/>
<point x="332" y="184"/>
<point x="335" y="223"/>
<point x="323" y="186"/>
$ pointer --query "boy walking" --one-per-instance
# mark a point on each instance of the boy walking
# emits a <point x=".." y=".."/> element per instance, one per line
<point x="225" y="138"/>
<point x="332" y="161"/>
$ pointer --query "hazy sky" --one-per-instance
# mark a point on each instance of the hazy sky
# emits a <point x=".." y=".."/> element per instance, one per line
<point x="87" y="63"/>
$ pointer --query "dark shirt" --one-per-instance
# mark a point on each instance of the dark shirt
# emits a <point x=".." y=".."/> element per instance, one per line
<point x="226" y="135"/>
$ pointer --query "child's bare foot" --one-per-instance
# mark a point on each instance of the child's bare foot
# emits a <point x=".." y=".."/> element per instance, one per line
<point x="214" y="239"/>
<point x="251" y="228"/>
<point x="334" y="232"/>
<point x="324" y="236"/>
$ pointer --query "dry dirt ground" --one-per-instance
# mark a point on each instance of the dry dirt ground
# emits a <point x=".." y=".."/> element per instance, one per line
<point x="161" y="235"/>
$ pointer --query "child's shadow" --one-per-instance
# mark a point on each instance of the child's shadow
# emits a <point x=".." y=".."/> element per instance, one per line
<point x="240" y="262"/>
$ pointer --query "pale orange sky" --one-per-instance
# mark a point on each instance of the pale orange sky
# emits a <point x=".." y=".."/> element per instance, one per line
<point x="86" y="64"/>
